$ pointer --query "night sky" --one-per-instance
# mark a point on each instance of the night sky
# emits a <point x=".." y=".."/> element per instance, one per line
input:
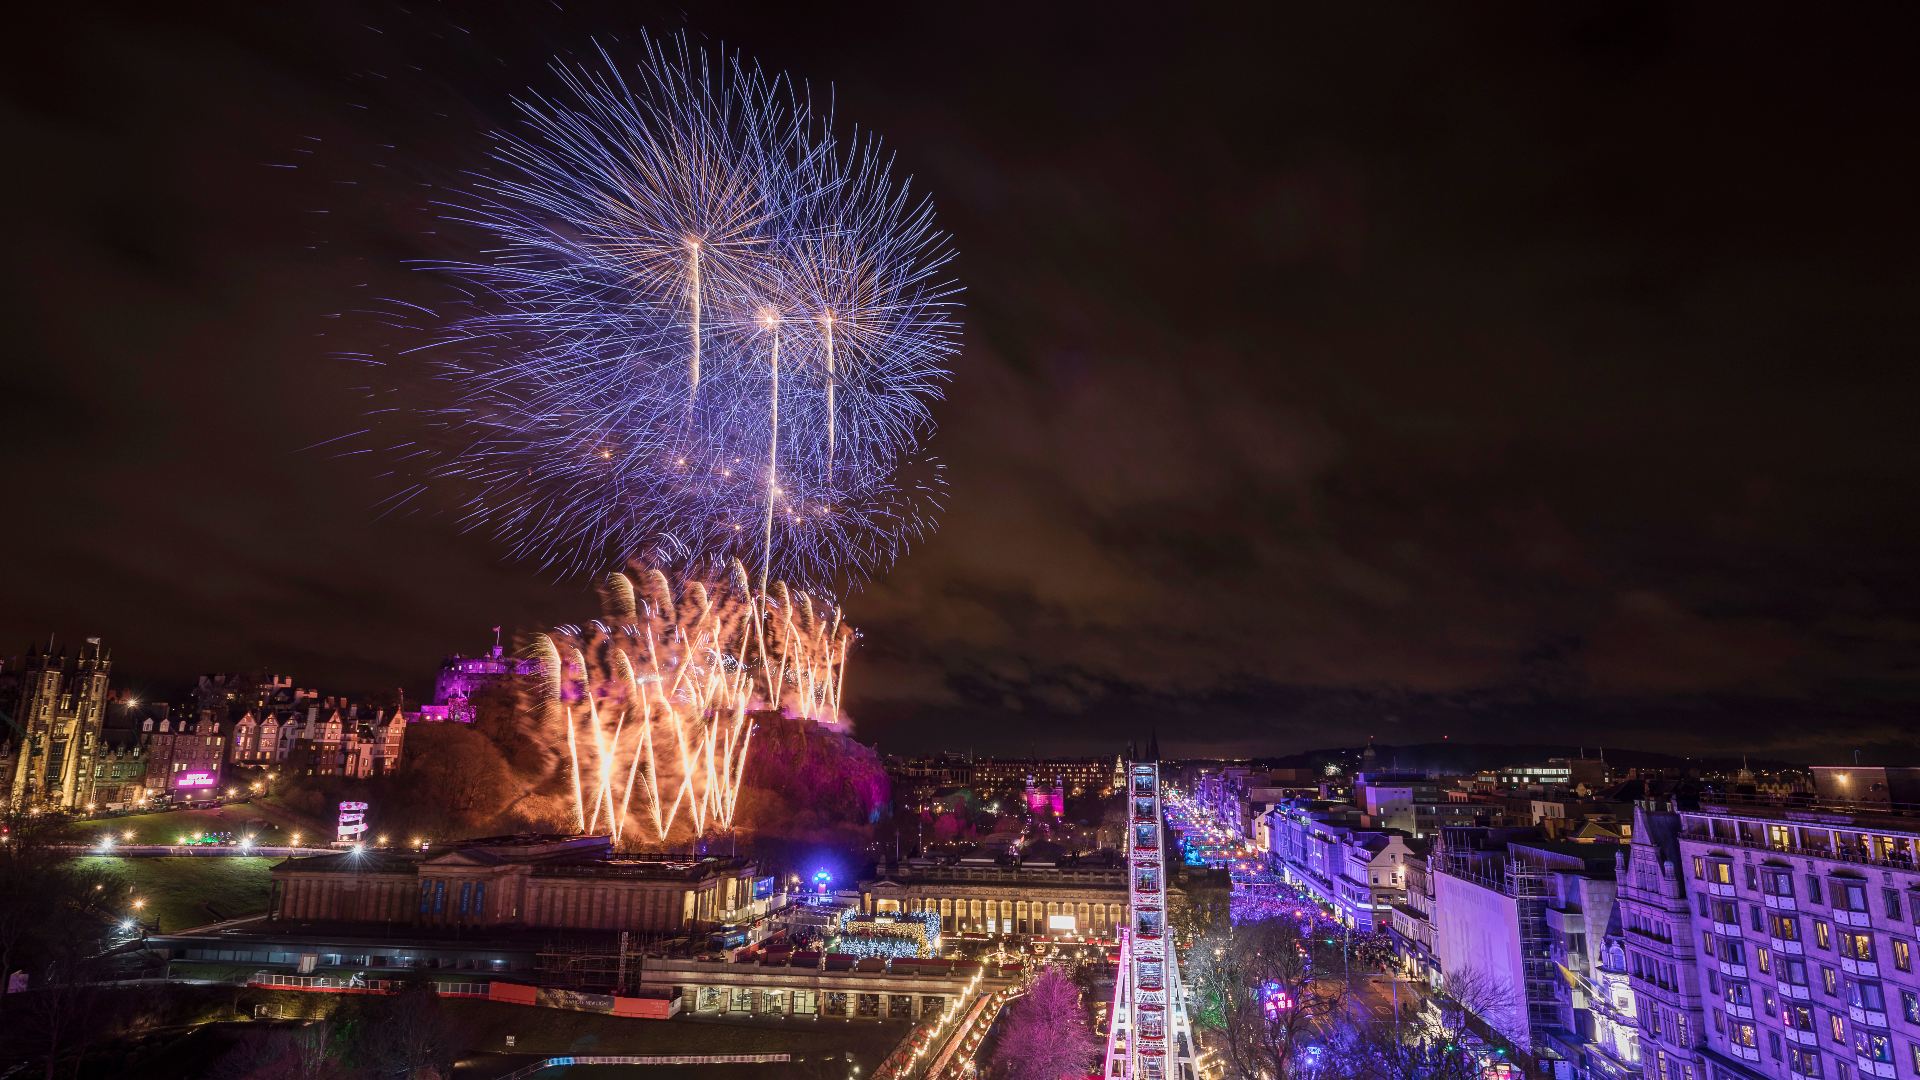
<point x="1531" y="374"/>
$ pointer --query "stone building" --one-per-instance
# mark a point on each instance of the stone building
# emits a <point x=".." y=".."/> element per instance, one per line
<point x="53" y="714"/>
<point x="1517" y="925"/>
<point x="462" y="678"/>
<point x="1655" y="901"/>
<point x="539" y="882"/>
<point x="1803" y="931"/>
<point x="1030" y="899"/>
<point x="321" y="738"/>
<point x="119" y="777"/>
<point x="183" y="757"/>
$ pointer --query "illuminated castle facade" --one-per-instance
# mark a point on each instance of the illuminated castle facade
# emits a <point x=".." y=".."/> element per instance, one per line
<point x="53" y="715"/>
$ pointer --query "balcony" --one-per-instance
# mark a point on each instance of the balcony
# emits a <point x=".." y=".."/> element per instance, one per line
<point x="1566" y="922"/>
<point x="1732" y="970"/>
<point x="1649" y="935"/>
<point x="1869" y="969"/>
<point x="1870" y="1067"/>
<point x="1796" y="991"/>
<point x="1803" y="1038"/>
<point x="1745" y="1053"/>
<point x="1854" y="856"/>
<point x="1862" y="920"/>
<point x="1740" y="1012"/>
<point x="1727" y="929"/>
<point x="1722" y="888"/>
<point x="1780" y="903"/>
<point x="1785" y="947"/>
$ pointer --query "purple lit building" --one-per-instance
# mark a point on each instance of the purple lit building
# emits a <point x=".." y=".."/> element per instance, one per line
<point x="463" y="677"/>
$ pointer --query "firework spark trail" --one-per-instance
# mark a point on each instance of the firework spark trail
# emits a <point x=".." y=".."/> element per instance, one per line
<point x="607" y="359"/>
<point x="661" y="696"/>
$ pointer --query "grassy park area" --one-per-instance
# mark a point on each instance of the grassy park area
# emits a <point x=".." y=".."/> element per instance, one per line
<point x="190" y="891"/>
<point x="269" y="825"/>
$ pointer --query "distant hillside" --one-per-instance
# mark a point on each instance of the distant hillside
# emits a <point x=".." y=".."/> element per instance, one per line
<point x="1451" y="757"/>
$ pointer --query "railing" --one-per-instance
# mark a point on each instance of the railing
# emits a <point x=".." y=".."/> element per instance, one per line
<point x="327" y="985"/>
<point x="1898" y="862"/>
<point x="1807" y="804"/>
<point x="648" y="1059"/>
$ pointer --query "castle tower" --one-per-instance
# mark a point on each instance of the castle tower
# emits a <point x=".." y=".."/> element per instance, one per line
<point x="58" y="718"/>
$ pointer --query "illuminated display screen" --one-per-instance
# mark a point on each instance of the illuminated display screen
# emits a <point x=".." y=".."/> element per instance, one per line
<point x="1061" y="923"/>
<point x="196" y="779"/>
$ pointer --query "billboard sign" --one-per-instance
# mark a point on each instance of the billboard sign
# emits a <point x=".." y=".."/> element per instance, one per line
<point x="196" y="779"/>
<point x="1060" y="924"/>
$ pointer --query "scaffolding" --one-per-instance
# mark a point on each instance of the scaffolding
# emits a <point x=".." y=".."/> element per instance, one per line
<point x="1531" y="887"/>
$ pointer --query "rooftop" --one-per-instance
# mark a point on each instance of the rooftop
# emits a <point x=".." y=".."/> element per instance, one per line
<point x="1901" y="816"/>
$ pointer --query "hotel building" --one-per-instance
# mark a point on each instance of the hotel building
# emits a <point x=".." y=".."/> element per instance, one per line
<point x="1803" y="923"/>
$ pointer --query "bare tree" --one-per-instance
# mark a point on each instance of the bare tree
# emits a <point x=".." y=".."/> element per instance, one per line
<point x="1432" y="1046"/>
<point x="1269" y="997"/>
<point x="29" y="890"/>
<point x="302" y="1053"/>
<point x="70" y="937"/>
<point x="405" y="1035"/>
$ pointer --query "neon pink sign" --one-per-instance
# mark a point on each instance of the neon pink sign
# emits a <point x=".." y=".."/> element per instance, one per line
<point x="196" y="779"/>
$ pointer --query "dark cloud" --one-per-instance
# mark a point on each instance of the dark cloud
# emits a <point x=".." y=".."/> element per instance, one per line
<point x="1527" y="374"/>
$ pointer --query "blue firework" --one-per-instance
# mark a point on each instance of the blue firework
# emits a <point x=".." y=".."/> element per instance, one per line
<point x="703" y="327"/>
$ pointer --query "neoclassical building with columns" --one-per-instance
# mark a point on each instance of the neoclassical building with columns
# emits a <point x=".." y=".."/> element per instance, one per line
<point x="1025" y="900"/>
<point x="552" y="882"/>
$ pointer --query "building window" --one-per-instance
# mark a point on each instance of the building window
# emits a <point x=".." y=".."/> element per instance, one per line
<point x="1856" y="946"/>
<point x="1902" y="954"/>
<point x="1874" y="1047"/>
<point x="1910" y="1006"/>
<point x="1829" y="982"/>
<point x="1822" y="936"/>
<point x="1837" y="1026"/>
<point x="1892" y="899"/>
<point x="1866" y="994"/>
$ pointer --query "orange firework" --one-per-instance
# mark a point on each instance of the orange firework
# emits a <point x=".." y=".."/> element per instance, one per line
<point x="656" y="702"/>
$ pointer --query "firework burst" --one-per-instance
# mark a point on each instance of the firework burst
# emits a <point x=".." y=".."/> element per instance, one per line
<point x="655" y="702"/>
<point x="703" y="323"/>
